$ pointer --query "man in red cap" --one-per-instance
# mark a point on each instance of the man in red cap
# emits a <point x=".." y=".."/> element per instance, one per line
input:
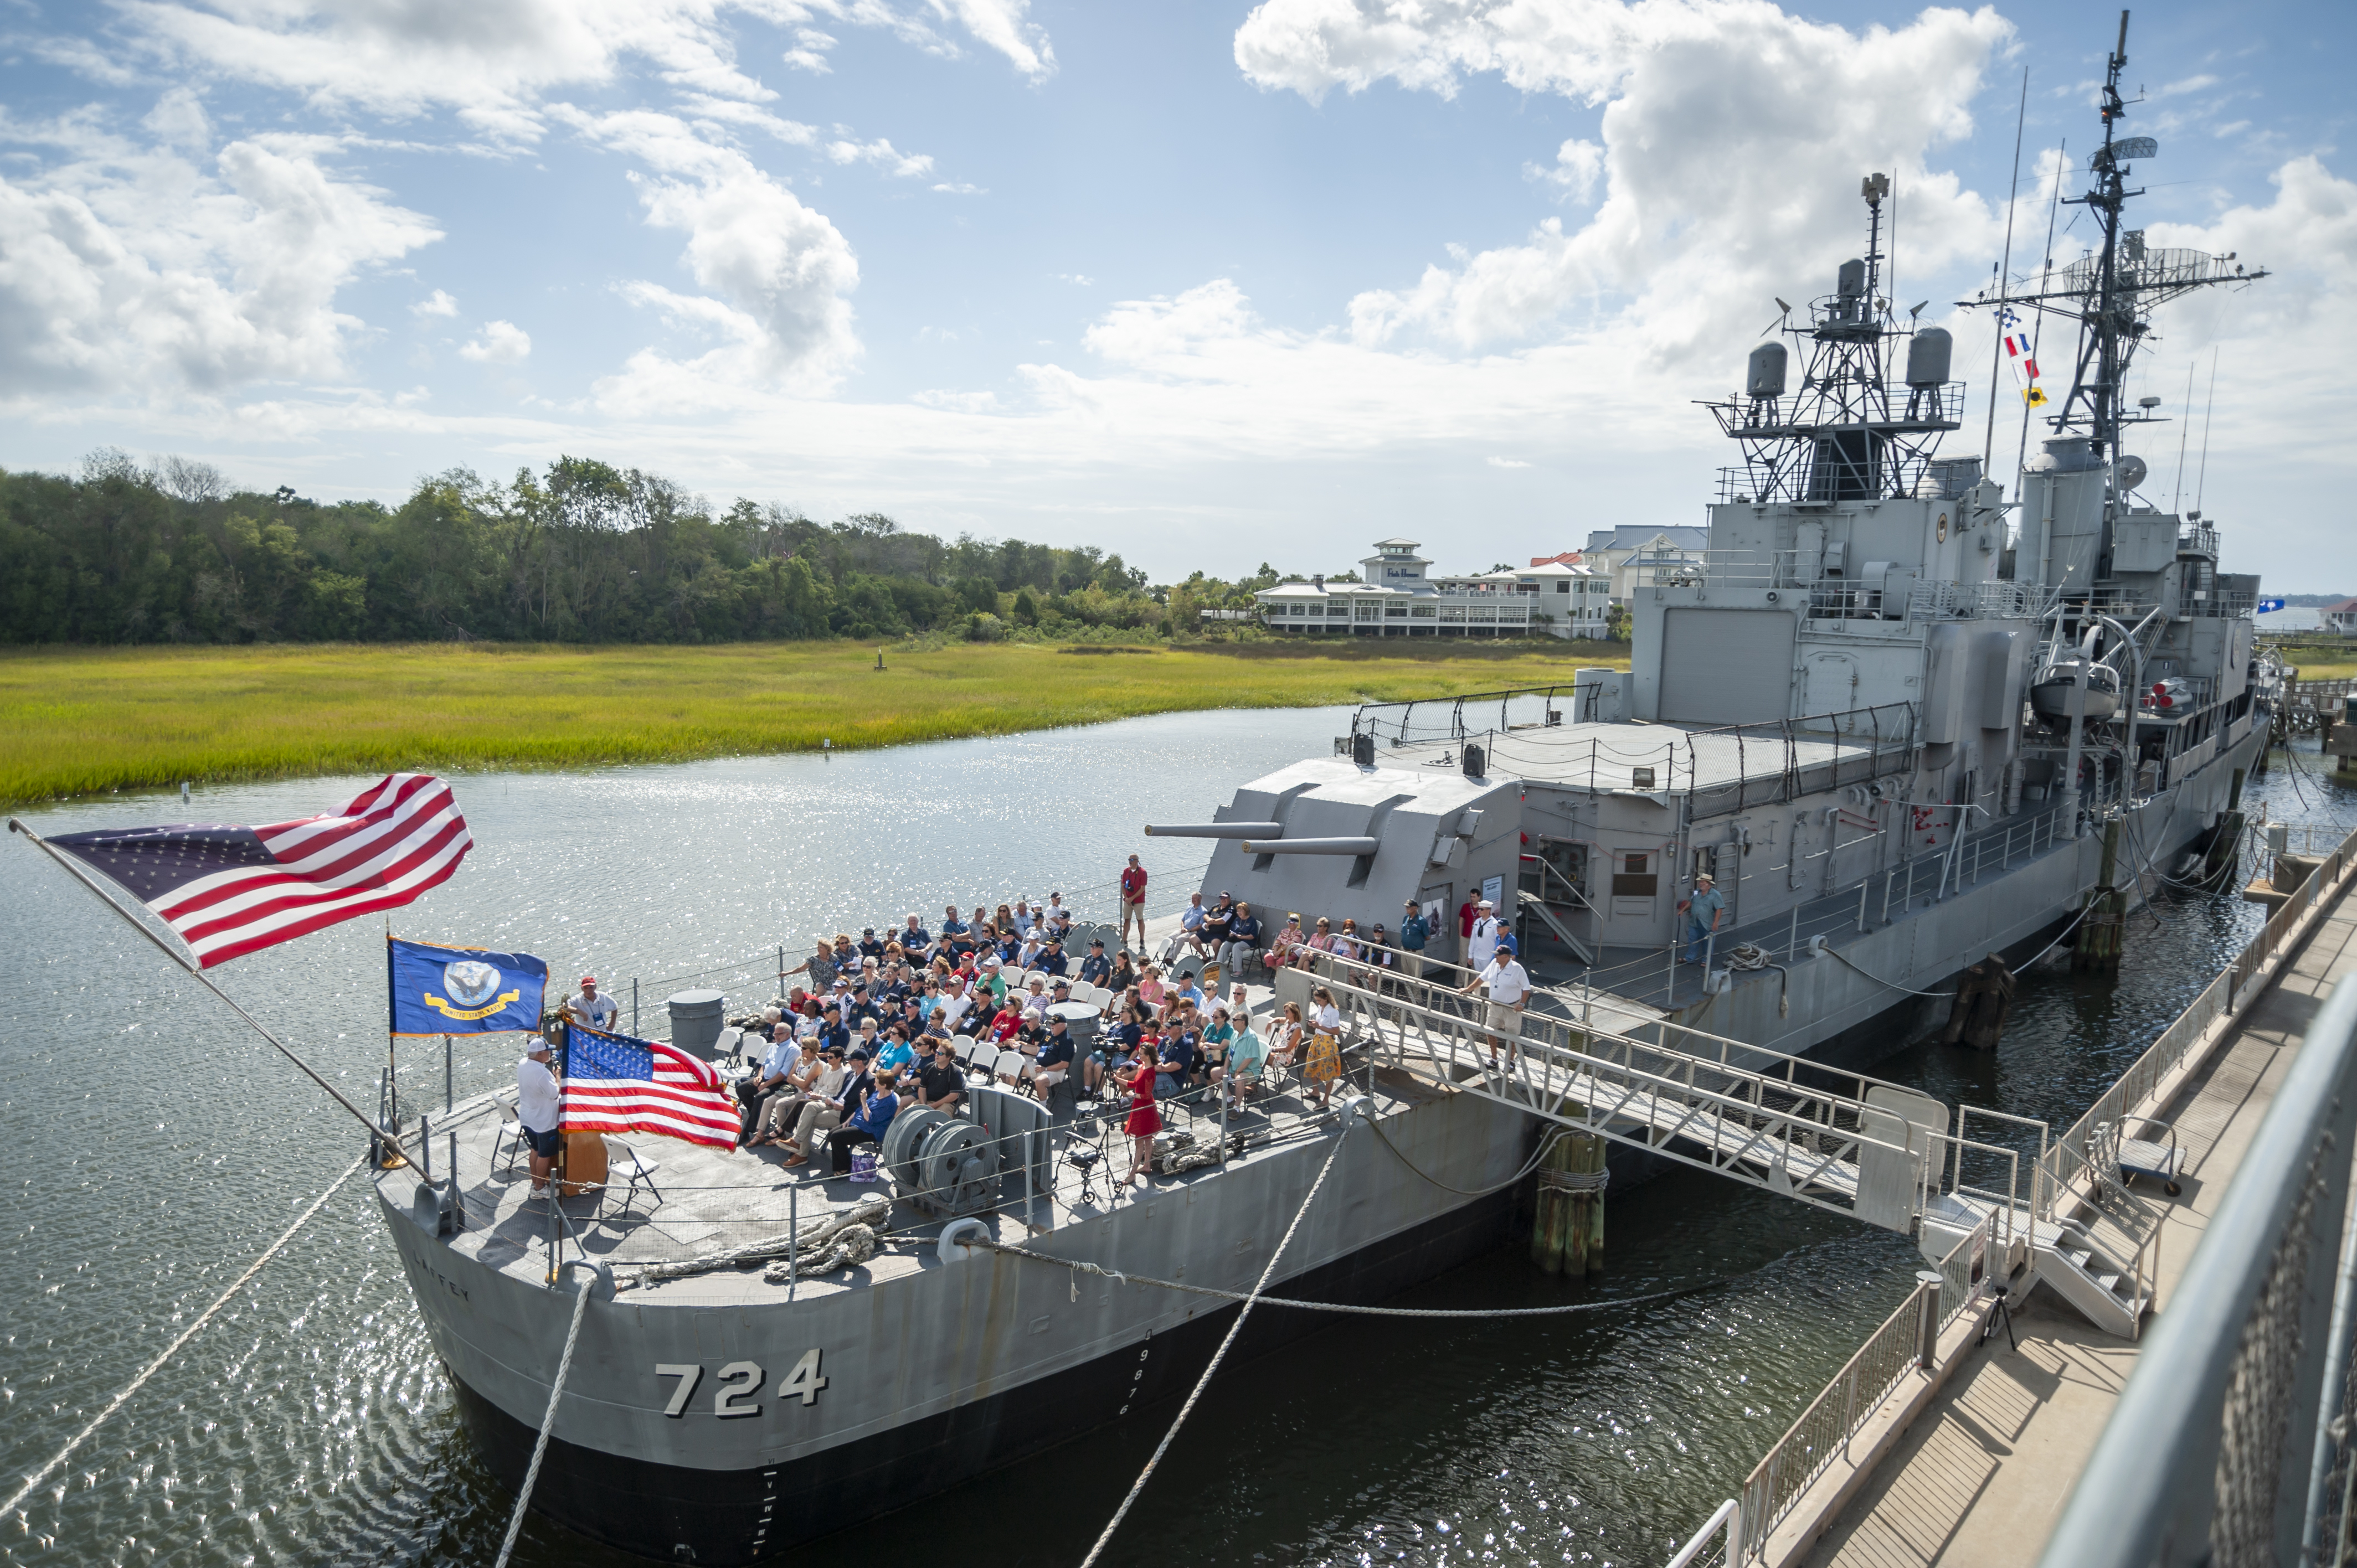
<point x="592" y="1006"/>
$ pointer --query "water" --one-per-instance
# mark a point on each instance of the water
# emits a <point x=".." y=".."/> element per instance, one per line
<point x="157" y="1149"/>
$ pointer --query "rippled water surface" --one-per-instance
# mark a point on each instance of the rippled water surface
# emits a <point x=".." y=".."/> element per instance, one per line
<point x="154" y="1150"/>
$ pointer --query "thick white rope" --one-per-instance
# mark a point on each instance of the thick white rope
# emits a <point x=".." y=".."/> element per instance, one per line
<point x="1217" y="1356"/>
<point x="187" y="1334"/>
<point x="555" y="1392"/>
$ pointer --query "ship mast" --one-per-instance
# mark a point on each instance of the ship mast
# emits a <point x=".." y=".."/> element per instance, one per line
<point x="2113" y="292"/>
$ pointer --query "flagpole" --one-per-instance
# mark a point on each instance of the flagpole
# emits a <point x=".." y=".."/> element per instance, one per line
<point x="198" y="975"/>
<point x="2004" y="277"/>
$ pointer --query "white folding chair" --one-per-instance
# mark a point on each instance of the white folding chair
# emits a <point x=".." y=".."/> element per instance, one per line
<point x="511" y="1128"/>
<point x="1009" y="1067"/>
<point x="623" y="1161"/>
<point x="1031" y="974"/>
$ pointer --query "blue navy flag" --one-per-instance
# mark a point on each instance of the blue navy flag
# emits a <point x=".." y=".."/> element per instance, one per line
<point x="461" y="991"/>
<point x="2269" y="606"/>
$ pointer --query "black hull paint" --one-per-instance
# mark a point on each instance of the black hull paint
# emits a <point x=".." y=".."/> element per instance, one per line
<point x="675" y="1514"/>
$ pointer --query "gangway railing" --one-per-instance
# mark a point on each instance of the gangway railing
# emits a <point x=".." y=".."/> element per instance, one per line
<point x="1830" y="1138"/>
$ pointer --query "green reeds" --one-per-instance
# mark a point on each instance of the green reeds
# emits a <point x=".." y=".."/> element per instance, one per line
<point x="83" y="721"/>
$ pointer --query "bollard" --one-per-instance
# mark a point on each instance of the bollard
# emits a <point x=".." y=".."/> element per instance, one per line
<point x="1928" y="1356"/>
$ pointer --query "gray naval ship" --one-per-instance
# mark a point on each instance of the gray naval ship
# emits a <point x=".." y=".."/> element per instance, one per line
<point x="1903" y="722"/>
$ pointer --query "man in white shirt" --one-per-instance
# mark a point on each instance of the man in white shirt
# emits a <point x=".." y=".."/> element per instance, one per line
<point x="1509" y="988"/>
<point x="1482" y="946"/>
<point x="955" y="1005"/>
<point x="591" y="1006"/>
<point x="767" y="1079"/>
<point x="539" y="1108"/>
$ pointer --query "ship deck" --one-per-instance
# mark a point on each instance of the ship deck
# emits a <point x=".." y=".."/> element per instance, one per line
<point x="1605" y="759"/>
<point x="708" y="1200"/>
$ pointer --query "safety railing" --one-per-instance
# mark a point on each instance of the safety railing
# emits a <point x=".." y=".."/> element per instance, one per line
<point x="2230" y="1443"/>
<point x="1702" y="1099"/>
<point x="1823" y="1431"/>
<point x="2064" y="1167"/>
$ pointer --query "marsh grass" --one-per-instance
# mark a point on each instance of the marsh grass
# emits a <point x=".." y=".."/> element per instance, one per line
<point x="82" y="721"/>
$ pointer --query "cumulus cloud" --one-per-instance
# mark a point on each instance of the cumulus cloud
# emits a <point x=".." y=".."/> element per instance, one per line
<point x="808" y="52"/>
<point x="1734" y="135"/>
<point x="140" y="267"/>
<point x="884" y="155"/>
<point x="499" y="343"/>
<point x="1577" y="166"/>
<point x="438" y="303"/>
<point x="778" y="273"/>
<point x="495" y="64"/>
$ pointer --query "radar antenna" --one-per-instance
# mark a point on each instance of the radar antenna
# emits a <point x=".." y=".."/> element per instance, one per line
<point x="1852" y="432"/>
<point x="2113" y="292"/>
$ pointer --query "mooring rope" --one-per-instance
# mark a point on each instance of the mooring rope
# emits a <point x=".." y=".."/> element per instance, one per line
<point x="1531" y="1164"/>
<point x="1484" y="1313"/>
<point x="1218" y="1356"/>
<point x="547" y="1422"/>
<point x="46" y="1471"/>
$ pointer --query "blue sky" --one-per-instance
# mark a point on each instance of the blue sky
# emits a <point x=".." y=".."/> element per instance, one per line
<point x="1204" y="284"/>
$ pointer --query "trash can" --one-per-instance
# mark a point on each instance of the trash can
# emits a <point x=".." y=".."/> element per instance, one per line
<point x="1081" y="1021"/>
<point x="696" y="1022"/>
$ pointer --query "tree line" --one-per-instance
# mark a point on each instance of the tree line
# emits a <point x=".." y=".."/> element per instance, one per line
<point x="582" y="552"/>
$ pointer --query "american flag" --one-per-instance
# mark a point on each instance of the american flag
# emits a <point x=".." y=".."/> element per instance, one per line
<point x="616" y="1084"/>
<point x="231" y="890"/>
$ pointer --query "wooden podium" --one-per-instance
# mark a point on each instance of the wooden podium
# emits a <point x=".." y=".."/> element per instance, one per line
<point x="582" y="1167"/>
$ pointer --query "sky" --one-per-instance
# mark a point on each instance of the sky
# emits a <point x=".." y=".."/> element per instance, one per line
<point x="1208" y="284"/>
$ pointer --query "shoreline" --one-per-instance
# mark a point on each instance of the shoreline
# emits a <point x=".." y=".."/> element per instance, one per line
<point x="91" y="720"/>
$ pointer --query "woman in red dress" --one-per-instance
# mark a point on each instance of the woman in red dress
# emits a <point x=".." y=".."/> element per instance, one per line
<point x="1144" y="1122"/>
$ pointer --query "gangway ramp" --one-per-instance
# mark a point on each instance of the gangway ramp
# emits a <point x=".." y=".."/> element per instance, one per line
<point x="1836" y="1139"/>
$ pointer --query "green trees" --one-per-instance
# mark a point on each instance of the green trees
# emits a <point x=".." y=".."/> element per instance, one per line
<point x="582" y="552"/>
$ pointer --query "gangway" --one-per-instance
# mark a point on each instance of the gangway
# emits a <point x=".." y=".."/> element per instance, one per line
<point x="1846" y="1142"/>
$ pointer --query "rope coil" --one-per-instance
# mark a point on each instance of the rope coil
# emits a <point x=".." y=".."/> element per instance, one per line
<point x="1575" y="1181"/>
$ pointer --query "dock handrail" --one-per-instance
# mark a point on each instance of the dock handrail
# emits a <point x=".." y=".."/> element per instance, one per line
<point x="1822" y="1431"/>
<point x="2209" y="1454"/>
<point x="2064" y="1165"/>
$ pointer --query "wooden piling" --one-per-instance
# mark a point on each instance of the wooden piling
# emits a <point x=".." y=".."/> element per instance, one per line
<point x="1583" y="1242"/>
<point x="2096" y="945"/>
<point x="1984" y="997"/>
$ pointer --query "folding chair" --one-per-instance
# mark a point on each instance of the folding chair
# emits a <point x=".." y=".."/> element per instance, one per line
<point x="626" y="1162"/>
<point x="510" y="1134"/>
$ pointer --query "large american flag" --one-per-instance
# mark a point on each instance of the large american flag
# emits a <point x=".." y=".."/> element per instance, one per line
<point x="616" y="1084"/>
<point x="230" y="890"/>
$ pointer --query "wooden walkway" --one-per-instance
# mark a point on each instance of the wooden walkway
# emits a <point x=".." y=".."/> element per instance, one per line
<point x="1982" y="1476"/>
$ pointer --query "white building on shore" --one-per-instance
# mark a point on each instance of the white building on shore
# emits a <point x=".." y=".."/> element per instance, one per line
<point x="1397" y="598"/>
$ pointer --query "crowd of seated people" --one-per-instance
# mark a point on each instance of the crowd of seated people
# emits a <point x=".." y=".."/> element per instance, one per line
<point x="869" y="1023"/>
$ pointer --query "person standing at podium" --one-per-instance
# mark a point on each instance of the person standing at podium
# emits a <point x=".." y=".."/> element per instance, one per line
<point x="538" y="1112"/>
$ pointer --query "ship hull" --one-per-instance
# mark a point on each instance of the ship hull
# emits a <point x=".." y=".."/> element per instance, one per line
<point x="679" y="1513"/>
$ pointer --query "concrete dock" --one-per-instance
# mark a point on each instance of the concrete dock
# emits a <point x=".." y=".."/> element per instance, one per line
<point x="1979" y="1470"/>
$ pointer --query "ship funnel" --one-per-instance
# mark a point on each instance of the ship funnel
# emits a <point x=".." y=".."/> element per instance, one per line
<point x="1764" y="377"/>
<point x="1927" y="357"/>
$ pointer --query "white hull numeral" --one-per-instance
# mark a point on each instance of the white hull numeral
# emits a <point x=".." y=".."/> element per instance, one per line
<point x="689" y="1375"/>
<point x="738" y="1381"/>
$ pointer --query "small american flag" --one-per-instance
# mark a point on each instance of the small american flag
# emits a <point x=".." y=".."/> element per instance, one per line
<point x="616" y="1084"/>
<point x="231" y="890"/>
